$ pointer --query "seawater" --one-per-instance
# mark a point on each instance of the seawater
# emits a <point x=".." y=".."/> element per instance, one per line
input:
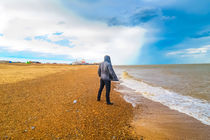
<point x="185" y="87"/>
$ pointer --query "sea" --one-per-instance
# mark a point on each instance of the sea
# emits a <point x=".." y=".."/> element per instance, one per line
<point x="181" y="87"/>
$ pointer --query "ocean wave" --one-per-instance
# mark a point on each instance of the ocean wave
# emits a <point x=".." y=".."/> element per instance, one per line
<point x="197" y="108"/>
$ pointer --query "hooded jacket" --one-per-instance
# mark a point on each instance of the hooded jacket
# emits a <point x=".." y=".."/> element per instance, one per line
<point x="105" y="70"/>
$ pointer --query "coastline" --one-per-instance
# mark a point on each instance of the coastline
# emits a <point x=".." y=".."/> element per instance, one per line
<point x="154" y="121"/>
<point x="42" y="106"/>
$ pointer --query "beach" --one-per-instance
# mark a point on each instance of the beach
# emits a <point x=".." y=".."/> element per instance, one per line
<point x="40" y="101"/>
<point x="170" y="101"/>
<point x="59" y="103"/>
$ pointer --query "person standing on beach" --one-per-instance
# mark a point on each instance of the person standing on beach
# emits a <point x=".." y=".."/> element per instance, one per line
<point x="106" y="74"/>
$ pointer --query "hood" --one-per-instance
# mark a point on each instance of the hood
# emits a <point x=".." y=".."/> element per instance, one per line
<point x="107" y="58"/>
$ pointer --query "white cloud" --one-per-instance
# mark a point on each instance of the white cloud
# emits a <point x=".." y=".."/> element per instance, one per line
<point x="92" y="40"/>
<point x="191" y="51"/>
<point x="200" y="50"/>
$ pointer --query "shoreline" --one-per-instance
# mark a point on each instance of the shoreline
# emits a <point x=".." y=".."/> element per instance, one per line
<point x="41" y="106"/>
<point x="153" y="120"/>
<point x="167" y="123"/>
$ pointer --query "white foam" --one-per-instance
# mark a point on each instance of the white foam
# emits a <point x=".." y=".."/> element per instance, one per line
<point x="130" y="100"/>
<point x="199" y="109"/>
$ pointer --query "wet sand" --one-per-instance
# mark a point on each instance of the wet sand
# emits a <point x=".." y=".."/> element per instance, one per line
<point x="42" y="105"/>
<point x="156" y="121"/>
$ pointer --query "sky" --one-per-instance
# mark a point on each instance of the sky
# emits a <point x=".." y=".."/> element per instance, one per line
<point x="132" y="32"/>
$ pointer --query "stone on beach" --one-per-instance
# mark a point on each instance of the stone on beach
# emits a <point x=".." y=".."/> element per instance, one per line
<point x="75" y="101"/>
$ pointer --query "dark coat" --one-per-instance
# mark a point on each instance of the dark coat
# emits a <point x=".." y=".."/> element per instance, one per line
<point x="105" y="70"/>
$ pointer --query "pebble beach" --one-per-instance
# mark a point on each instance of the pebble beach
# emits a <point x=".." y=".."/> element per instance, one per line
<point x="59" y="102"/>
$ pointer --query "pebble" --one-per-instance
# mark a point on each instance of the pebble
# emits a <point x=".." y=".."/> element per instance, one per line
<point x="75" y="101"/>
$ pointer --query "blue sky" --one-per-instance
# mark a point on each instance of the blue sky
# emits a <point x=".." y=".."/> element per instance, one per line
<point x="143" y="31"/>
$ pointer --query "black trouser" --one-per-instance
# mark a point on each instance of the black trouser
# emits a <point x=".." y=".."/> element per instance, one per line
<point x="108" y="86"/>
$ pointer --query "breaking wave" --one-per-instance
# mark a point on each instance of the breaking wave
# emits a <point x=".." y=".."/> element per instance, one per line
<point x="197" y="108"/>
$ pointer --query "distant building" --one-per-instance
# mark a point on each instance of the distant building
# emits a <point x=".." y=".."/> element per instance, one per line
<point x="82" y="62"/>
<point x="95" y="63"/>
<point x="17" y="62"/>
<point x="35" y="62"/>
<point x="76" y="63"/>
<point x="4" y="61"/>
